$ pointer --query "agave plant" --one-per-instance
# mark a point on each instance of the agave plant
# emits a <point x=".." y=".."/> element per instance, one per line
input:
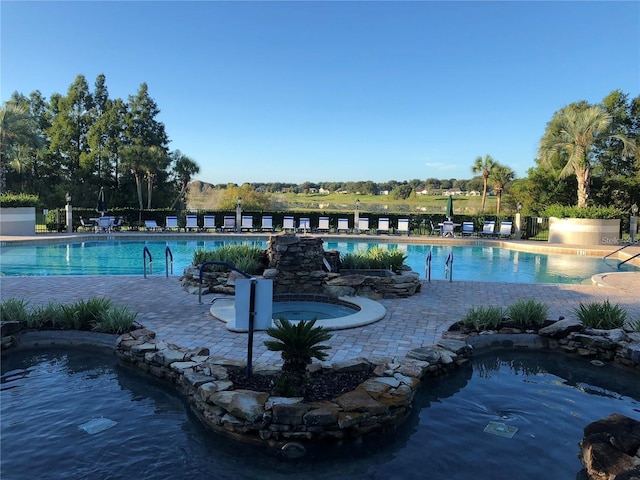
<point x="299" y="344"/>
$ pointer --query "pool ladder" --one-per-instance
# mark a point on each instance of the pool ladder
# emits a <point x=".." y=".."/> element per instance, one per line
<point x="168" y="260"/>
<point x="448" y="268"/>
<point x="620" y="249"/>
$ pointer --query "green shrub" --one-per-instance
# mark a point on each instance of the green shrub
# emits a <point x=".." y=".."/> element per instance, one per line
<point x="601" y="315"/>
<point x="244" y="257"/>
<point x="373" y="259"/>
<point x="635" y="324"/>
<point x="9" y="199"/>
<point x="14" y="310"/>
<point x="42" y="316"/>
<point x="528" y="313"/>
<point x="115" y="320"/>
<point x="483" y="318"/>
<point x="298" y="344"/>
<point x="562" y="211"/>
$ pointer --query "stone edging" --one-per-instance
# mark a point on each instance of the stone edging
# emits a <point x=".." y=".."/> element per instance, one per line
<point x="378" y="404"/>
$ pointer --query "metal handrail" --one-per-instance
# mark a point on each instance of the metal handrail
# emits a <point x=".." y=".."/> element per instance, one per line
<point x="448" y="267"/>
<point x="225" y="264"/>
<point x="168" y="255"/>
<point x="428" y="266"/>
<point x="145" y="252"/>
<point x="630" y="258"/>
<point x="618" y="250"/>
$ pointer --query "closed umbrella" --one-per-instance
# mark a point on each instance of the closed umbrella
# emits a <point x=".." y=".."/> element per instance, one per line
<point x="101" y="207"/>
<point x="449" y="212"/>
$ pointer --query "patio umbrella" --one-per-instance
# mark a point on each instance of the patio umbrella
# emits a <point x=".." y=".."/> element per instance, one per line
<point x="449" y="211"/>
<point x="101" y="207"/>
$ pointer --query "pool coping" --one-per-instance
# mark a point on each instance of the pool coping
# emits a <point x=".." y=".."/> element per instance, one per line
<point x="370" y="311"/>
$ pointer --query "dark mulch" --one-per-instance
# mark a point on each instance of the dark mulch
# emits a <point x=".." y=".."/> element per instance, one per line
<point x="322" y="386"/>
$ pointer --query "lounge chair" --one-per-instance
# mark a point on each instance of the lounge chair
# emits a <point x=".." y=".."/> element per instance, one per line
<point x="151" y="226"/>
<point x="304" y="225"/>
<point x="343" y="225"/>
<point x="383" y="226"/>
<point x="467" y="228"/>
<point x="171" y="223"/>
<point x="323" y="225"/>
<point x="209" y="223"/>
<point x="192" y="223"/>
<point x="435" y="230"/>
<point x="267" y="223"/>
<point x="246" y="223"/>
<point x="363" y="225"/>
<point x="117" y="225"/>
<point x="447" y="229"/>
<point x="488" y="229"/>
<point x="104" y="225"/>
<point x="403" y="226"/>
<point x="505" y="229"/>
<point x="86" y="225"/>
<point x="288" y="224"/>
<point x="229" y="223"/>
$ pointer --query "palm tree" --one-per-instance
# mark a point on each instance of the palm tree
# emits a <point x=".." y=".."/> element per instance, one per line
<point x="184" y="169"/>
<point x="483" y="166"/>
<point x="570" y="137"/>
<point x="500" y="176"/>
<point x="18" y="131"/>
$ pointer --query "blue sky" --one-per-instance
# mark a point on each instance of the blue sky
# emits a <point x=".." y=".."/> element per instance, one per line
<point x="334" y="91"/>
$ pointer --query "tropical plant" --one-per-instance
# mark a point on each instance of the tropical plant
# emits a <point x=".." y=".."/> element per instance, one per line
<point x="570" y="137"/>
<point x="14" y="310"/>
<point x="501" y="176"/>
<point x="298" y="343"/>
<point x="184" y="168"/>
<point x="484" y="167"/>
<point x="48" y="315"/>
<point x="528" y="313"/>
<point x="374" y="258"/>
<point x="483" y="318"/>
<point x="115" y="320"/>
<point x="244" y="257"/>
<point x="601" y="315"/>
<point x="635" y="324"/>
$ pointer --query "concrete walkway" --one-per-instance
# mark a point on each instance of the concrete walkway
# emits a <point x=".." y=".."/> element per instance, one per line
<point x="176" y="316"/>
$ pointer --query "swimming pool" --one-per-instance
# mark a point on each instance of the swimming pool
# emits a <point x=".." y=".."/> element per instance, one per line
<point x="48" y="395"/>
<point x="471" y="262"/>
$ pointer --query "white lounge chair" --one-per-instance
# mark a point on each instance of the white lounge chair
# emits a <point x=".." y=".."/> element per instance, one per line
<point x="304" y="225"/>
<point x="403" y="226"/>
<point x="267" y="223"/>
<point x="488" y="229"/>
<point x="447" y="229"/>
<point x="246" y="223"/>
<point x="192" y="223"/>
<point x="363" y="225"/>
<point x="467" y="228"/>
<point x="343" y="225"/>
<point x="229" y="223"/>
<point x="117" y="225"/>
<point x="288" y="224"/>
<point x="209" y="223"/>
<point x="323" y="225"/>
<point x="171" y="223"/>
<point x="86" y="225"/>
<point x="383" y="226"/>
<point x="151" y="226"/>
<point x="505" y="229"/>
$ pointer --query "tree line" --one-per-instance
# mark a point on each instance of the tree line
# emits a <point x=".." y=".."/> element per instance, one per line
<point x="85" y="140"/>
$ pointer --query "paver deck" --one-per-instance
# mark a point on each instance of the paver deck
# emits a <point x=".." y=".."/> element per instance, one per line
<point x="420" y="320"/>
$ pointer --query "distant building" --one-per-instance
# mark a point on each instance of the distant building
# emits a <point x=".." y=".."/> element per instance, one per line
<point x="422" y="191"/>
<point x="452" y="191"/>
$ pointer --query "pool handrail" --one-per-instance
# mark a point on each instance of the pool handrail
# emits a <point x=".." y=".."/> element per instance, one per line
<point x="168" y="255"/>
<point x="428" y="266"/>
<point x="145" y="252"/>
<point x="224" y="264"/>
<point x="448" y="268"/>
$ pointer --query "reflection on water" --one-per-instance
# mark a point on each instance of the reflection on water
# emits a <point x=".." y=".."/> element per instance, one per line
<point x="478" y="263"/>
<point x="548" y="398"/>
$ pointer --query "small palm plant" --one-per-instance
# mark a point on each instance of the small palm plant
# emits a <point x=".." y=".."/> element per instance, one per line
<point x="299" y="344"/>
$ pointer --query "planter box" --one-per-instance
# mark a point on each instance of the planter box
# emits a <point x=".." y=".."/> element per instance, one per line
<point x="584" y="231"/>
<point x="18" y="221"/>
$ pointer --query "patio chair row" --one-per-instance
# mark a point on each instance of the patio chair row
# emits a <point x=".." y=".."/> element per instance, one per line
<point x="289" y="225"/>
<point x="447" y="229"/>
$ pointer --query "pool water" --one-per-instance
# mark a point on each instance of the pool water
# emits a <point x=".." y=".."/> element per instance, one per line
<point x="48" y="394"/>
<point x="477" y="262"/>
<point x="302" y="310"/>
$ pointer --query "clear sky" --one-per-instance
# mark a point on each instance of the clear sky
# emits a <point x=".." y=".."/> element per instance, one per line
<point x="334" y="91"/>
